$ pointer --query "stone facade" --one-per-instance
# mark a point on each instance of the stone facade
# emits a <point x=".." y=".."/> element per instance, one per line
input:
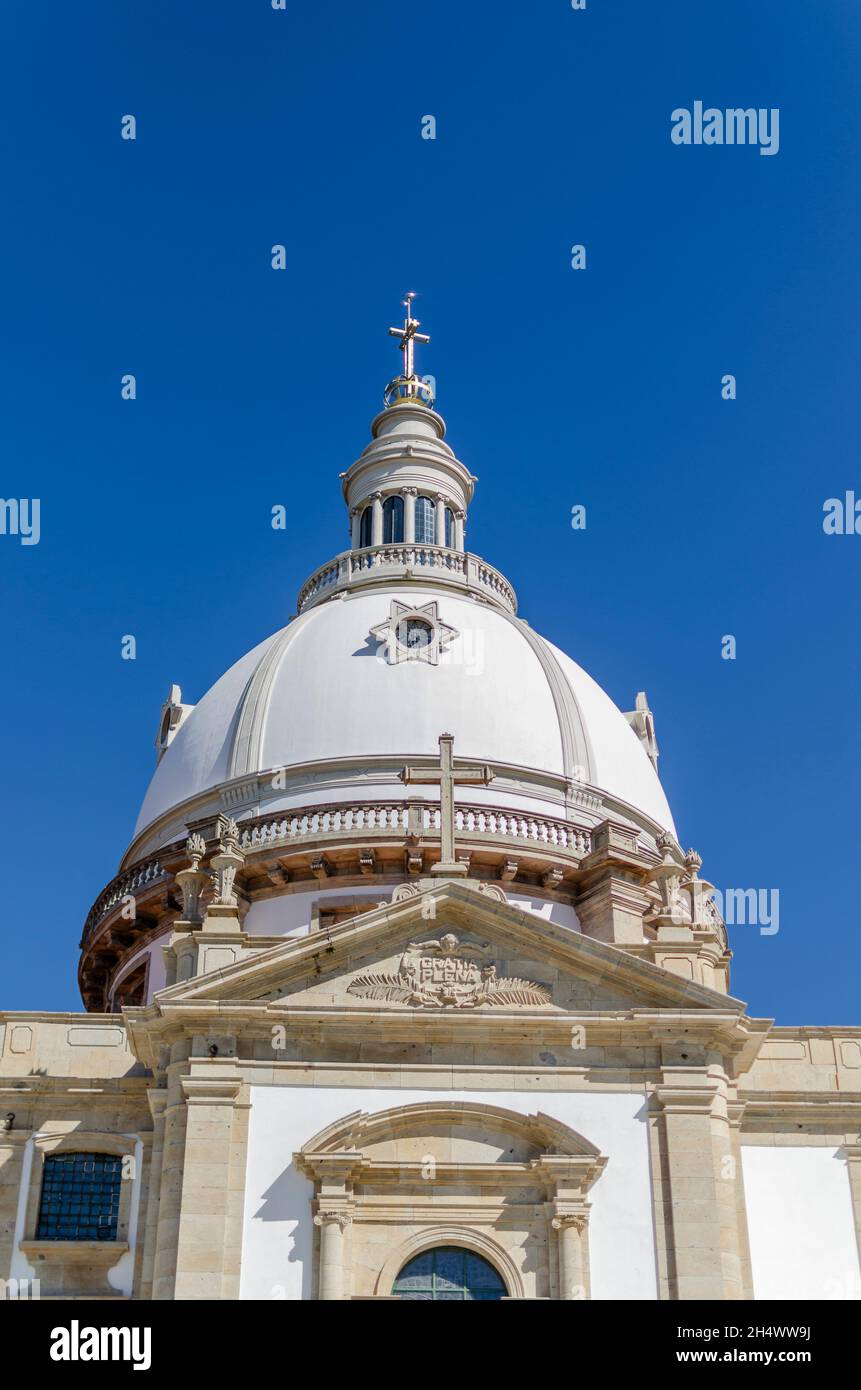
<point x="486" y="1160"/>
<point x="363" y="989"/>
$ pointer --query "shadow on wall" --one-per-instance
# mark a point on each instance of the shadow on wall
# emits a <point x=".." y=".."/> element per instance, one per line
<point x="288" y="1201"/>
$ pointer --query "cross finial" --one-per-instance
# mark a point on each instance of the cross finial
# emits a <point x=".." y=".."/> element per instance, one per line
<point x="408" y="335"/>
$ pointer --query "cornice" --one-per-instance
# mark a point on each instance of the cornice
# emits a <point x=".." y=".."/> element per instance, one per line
<point x="799" y="1107"/>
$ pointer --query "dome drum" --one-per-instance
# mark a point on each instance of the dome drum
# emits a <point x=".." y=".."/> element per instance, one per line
<point x="319" y="849"/>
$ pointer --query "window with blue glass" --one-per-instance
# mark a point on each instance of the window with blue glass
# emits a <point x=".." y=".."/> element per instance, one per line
<point x="449" y="528"/>
<point x="365" y="525"/>
<point x="80" y="1197"/>
<point x="449" y="1274"/>
<point x="425" y="514"/>
<point x="393" y="520"/>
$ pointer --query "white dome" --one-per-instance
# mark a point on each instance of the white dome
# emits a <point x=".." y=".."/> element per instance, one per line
<point x="321" y="692"/>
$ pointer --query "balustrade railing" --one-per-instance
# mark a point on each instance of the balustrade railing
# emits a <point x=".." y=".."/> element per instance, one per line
<point x="419" y="818"/>
<point x="363" y="820"/>
<point x="352" y="566"/>
<point x="141" y="875"/>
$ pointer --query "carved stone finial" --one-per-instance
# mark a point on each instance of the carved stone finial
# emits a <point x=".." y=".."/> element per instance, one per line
<point x="229" y="838"/>
<point x="642" y="721"/>
<point x="195" y="848"/>
<point x="226" y="863"/>
<point x="192" y="881"/>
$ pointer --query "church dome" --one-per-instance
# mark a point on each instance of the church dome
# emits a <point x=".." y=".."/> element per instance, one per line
<point x="327" y="692"/>
<point x="406" y="721"/>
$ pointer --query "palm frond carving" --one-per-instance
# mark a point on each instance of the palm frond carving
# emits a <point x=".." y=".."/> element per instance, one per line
<point x="512" y="992"/>
<point x="373" y="986"/>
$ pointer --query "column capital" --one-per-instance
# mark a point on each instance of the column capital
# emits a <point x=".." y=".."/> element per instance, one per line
<point x="211" y="1090"/>
<point x="676" y="1100"/>
<point x="329" y="1215"/>
<point x="563" y="1219"/>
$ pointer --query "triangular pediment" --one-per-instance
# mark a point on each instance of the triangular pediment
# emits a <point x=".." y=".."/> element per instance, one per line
<point x="455" y="949"/>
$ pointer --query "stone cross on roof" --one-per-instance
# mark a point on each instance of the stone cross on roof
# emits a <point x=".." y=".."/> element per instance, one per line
<point x="448" y="776"/>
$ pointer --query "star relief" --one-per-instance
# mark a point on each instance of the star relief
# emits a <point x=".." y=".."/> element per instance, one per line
<point x="414" y="634"/>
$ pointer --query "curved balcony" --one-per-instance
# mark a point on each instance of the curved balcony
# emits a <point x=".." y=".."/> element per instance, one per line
<point x="414" y="820"/>
<point x="407" y="563"/>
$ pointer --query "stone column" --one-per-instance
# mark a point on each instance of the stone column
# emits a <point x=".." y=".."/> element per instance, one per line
<point x="439" y="519"/>
<point x="355" y="526"/>
<point x="410" y="515"/>
<point x="459" y="520"/>
<point x="572" y="1227"/>
<point x="377" y="519"/>
<point x="333" y="1225"/>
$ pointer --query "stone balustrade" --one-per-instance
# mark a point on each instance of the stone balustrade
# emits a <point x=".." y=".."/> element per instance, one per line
<point x="357" y="822"/>
<point x="353" y="568"/>
<point x="144" y="874"/>
<point x="387" y="818"/>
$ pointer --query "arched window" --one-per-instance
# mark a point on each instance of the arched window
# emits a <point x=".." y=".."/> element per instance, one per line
<point x="393" y="520"/>
<point x="449" y="528"/>
<point x="365" y="527"/>
<point x="449" y="1273"/>
<point x="425" y="514"/>
<point x="80" y="1197"/>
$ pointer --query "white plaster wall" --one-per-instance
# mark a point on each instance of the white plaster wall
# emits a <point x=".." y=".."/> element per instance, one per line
<point x="157" y="975"/>
<point x="291" y="913"/>
<point x="801" y="1225"/>
<point x="561" y="913"/>
<point x="278" y="1232"/>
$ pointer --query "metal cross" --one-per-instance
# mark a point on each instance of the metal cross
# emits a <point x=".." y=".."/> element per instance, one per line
<point x="409" y="336"/>
<point x="448" y="776"/>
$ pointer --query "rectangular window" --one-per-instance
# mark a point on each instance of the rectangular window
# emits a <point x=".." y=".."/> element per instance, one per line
<point x="80" y="1197"/>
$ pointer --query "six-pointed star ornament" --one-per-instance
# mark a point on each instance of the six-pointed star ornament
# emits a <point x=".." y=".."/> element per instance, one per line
<point x="414" y="634"/>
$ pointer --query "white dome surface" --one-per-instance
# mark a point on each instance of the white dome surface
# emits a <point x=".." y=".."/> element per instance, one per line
<point x="321" y="690"/>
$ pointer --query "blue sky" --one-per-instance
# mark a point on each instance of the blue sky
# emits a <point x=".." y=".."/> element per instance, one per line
<point x="599" y="387"/>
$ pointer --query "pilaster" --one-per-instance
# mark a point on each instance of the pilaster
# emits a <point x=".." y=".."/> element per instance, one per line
<point x="704" y="1215"/>
<point x="158" y="1106"/>
<point x="12" y="1145"/>
<point x="853" y="1157"/>
<point x="210" y="1223"/>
